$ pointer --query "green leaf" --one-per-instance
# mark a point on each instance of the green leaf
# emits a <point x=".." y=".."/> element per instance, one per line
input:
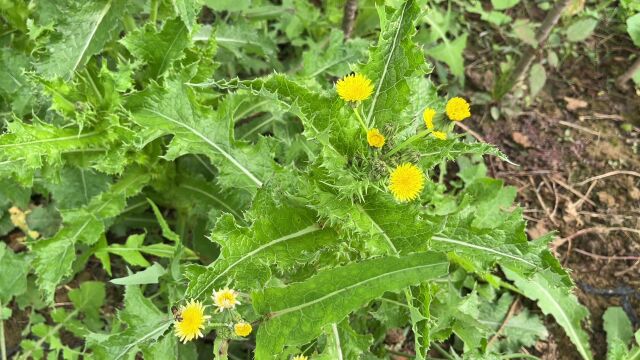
<point x="187" y="10"/>
<point x="581" y="29"/>
<point x="228" y="5"/>
<point x="77" y="186"/>
<point x="619" y="331"/>
<point x="504" y="4"/>
<point x="158" y="49"/>
<point x="557" y="300"/>
<point x="149" y="275"/>
<point x="86" y="27"/>
<point x="54" y="256"/>
<point x="450" y="53"/>
<point x="130" y="251"/>
<point x="88" y="298"/>
<point x="173" y="110"/>
<point x="297" y="313"/>
<point x="282" y="233"/>
<point x="13" y="277"/>
<point x="394" y="58"/>
<point x="633" y="28"/>
<point x="537" y="78"/>
<point x="525" y="31"/>
<point x="144" y="325"/>
<point x="166" y="230"/>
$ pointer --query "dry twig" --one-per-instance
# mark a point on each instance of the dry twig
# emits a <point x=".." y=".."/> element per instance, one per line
<point x="610" y="173"/>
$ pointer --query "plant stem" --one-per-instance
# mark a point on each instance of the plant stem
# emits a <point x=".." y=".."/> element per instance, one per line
<point x="622" y="79"/>
<point x="443" y="352"/>
<point x="355" y="111"/>
<point x="3" y="345"/>
<point x="409" y="141"/>
<point x="153" y="15"/>
<point x="519" y="356"/>
<point x="349" y="17"/>
<point x="530" y="53"/>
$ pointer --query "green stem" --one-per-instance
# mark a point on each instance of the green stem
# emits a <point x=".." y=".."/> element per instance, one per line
<point x="409" y="141"/>
<point x="153" y="16"/>
<point x="355" y="111"/>
<point x="519" y="356"/>
<point x="52" y="331"/>
<point x="3" y="345"/>
<point x="130" y="23"/>
<point x="443" y="352"/>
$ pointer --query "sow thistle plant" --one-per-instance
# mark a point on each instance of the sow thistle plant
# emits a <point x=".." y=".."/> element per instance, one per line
<point x="291" y="217"/>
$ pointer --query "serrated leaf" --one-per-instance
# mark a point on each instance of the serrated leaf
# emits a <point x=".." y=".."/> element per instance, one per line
<point x="86" y="28"/>
<point x="173" y="110"/>
<point x="158" y="49"/>
<point x="144" y="325"/>
<point x="555" y="299"/>
<point x="394" y="58"/>
<point x="282" y="233"/>
<point x="55" y="256"/>
<point x="187" y="10"/>
<point x="297" y="313"/>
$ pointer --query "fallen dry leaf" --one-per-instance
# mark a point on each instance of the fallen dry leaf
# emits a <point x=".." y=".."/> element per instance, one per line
<point x="574" y="104"/>
<point x="606" y="198"/>
<point x="538" y="230"/>
<point x="521" y="139"/>
<point x="635" y="193"/>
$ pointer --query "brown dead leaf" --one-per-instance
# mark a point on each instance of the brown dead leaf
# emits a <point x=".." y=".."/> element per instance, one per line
<point x="521" y="139"/>
<point x="574" y="104"/>
<point x="538" y="230"/>
<point x="606" y="198"/>
<point x="635" y="193"/>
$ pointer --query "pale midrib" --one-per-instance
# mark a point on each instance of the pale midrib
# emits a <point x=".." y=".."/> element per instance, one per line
<point x="380" y="230"/>
<point x="164" y="58"/>
<point x="305" y="231"/>
<point x="473" y="246"/>
<point x="65" y="138"/>
<point x="225" y="205"/>
<point x="495" y="323"/>
<point x="339" y="291"/>
<point x="386" y="65"/>
<point x="570" y="329"/>
<point x="152" y="333"/>
<point x="91" y="35"/>
<point x="338" y="345"/>
<point x="214" y="145"/>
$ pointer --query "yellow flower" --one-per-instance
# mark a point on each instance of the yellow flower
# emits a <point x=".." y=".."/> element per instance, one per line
<point x="192" y="320"/>
<point x="354" y="87"/>
<point x="406" y="182"/>
<point x="428" y="115"/>
<point x="300" y="357"/>
<point x="458" y="109"/>
<point x="242" y="329"/>
<point x="374" y="138"/>
<point x="440" y="135"/>
<point x="225" y="299"/>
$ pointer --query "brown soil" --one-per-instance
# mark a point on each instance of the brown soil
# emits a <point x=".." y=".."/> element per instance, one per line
<point x="572" y="132"/>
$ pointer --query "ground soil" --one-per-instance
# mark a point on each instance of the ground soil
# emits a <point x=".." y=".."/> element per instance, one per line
<point x="579" y="127"/>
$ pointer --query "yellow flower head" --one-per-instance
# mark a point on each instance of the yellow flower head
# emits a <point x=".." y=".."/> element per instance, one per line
<point x="440" y="135"/>
<point x="242" y="329"/>
<point x="225" y="299"/>
<point x="192" y="321"/>
<point x="428" y="115"/>
<point x="300" y="357"/>
<point x="458" y="109"/>
<point x="374" y="138"/>
<point x="354" y="87"/>
<point x="406" y="182"/>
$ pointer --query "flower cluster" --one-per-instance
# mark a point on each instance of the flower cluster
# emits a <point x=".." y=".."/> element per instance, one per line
<point x="190" y="320"/>
<point x="406" y="181"/>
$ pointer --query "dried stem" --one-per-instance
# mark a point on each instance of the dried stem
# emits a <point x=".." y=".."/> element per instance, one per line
<point x="530" y="53"/>
<point x="621" y="82"/>
<point x="349" y="18"/>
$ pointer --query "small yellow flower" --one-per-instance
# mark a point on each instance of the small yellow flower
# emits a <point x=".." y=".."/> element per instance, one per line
<point x="458" y="109"/>
<point x="242" y="329"/>
<point x="300" y="357"/>
<point x="374" y="138"/>
<point x="428" y="115"/>
<point x="440" y="135"/>
<point x="225" y="299"/>
<point x="354" y="87"/>
<point x="406" y="182"/>
<point x="192" y="321"/>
